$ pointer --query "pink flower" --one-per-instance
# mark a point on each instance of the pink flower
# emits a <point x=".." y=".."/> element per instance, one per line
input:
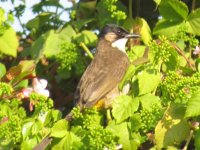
<point x="38" y="86"/>
<point x="196" y="51"/>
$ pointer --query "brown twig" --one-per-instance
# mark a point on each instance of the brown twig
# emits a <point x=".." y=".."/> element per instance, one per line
<point x="191" y="64"/>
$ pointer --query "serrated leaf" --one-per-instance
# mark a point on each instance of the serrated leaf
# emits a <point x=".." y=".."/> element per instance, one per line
<point x="173" y="128"/>
<point x="192" y="110"/>
<point x="129" y="141"/>
<point x="69" y="141"/>
<point x="123" y="107"/>
<point x="148" y="100"/>
<point x="193" y="22"/>
<point x="87" y="37"/>
<point x="2" y="70"/>
<point x="9" y="42"/>
<point x="59" y="129"/>
<point x="148" y="81"/>
<point x="48" y="44"/>
<point x="167" y="27"/>
<point x="174" y="10"/>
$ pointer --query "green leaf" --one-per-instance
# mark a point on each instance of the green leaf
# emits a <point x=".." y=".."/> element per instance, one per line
<point x="87" y="37"/>
<point x="9" y="42"/>
<point x="48" y="44"/>
<point x="26" y="129"/>
<point x="129" y="141"/>
<point x="174" y="10"/>
<point x="193" y="22"/>
<point x="173" y="62"/>
<point x="157" y="2"/>
<point x="148" y="100"/>
<point x="173" y="128"/>
<point x="2" y="70"/>
<point x="39" y="20"/>
<point x="148" y="81"/>
<point x="25" y="146"/>
<point x="69" y="141"/>
<point x="36" y="127"/>
<point x="59" y="129"/>
<point x="127" y="76"/>
<point x="192" y="110"/>
<point x="123" y="107"/>
<point x="145" y="31"/>
<point x="167" y="28"/>
<point x="197" y="139"/>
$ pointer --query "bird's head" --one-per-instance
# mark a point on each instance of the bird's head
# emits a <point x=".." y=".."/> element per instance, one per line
<point x="116" y="35"/>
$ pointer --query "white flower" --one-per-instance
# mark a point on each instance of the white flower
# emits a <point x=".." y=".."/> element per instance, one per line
<point x="39" y="86"/>
<point x="196" y="51"/>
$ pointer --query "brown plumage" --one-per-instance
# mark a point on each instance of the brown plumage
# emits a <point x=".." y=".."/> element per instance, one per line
<point x="102" y="75"/>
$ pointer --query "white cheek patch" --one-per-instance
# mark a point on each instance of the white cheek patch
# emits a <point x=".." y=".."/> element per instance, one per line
<point x="120" y="44"/>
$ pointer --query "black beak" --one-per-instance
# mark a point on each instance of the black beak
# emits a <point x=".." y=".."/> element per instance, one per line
<point x="131" y="35"/>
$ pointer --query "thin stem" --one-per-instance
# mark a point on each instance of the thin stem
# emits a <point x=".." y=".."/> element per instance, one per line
<point x="85" y="48"/>
<point x="188" y="140"/>
<point x="191" y="64"/>
<point x="130" y="9"/>
<point x="193" y="4"/>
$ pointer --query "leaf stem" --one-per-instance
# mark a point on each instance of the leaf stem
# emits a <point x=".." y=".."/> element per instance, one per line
<point x="85" y="48"/>
<point x="191" y="64"/>
<point x="130" y="9"/>
<point x="188" y="140"/>
<point x="193" y="5"/>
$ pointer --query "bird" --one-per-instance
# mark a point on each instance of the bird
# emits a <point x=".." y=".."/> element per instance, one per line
<point x="99" y="83"/>
<point x="101" y="78"/>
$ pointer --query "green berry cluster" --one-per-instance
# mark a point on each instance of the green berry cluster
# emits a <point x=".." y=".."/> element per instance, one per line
<point x="11" y="120"/>
<point x="69" y="57"/>
<point x="5" y="89"/>
<point x="10" y="130"/>
<point x="41" y="102"/>
<point x="182" y="35"/>
<point x="96" y="136"/>
<point x="111" y="7"/>
<point x="178" y="88"/>
<point x="161" y="49"/>
<point x="149" y="118"/>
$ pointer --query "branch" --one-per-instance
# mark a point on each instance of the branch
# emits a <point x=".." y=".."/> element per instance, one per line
<point x="191" y="64"/>
<point x="86" y="50"/>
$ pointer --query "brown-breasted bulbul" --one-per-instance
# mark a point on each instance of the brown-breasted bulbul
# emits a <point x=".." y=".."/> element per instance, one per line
<point x="101" y="78"/>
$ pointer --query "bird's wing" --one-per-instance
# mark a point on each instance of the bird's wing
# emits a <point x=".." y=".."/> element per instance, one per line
<point x="100" y="78"/>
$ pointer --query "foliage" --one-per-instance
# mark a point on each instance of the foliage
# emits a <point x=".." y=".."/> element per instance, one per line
<point x="160" y="110"/>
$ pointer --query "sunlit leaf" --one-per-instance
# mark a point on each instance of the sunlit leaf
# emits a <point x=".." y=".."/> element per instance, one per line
<point x="9" y="42"/>
<point x="192" y="110"/>
<point x="148" y="81"/>
<point x="167" y="27"/>
<point x="2" y="70"/>
<point x="193" y="22"/>
<point x="174" y="10"/>
<point x="172" y="129"/>
<point x="59" y="129"/>
<point x="87" y="37"/>
<point x="148" y="100"/>
<point x="123" y="107"/>
<point x="128" y="141"/>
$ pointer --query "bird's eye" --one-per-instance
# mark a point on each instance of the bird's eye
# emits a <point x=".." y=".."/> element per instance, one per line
<point x="118" y="31"/>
